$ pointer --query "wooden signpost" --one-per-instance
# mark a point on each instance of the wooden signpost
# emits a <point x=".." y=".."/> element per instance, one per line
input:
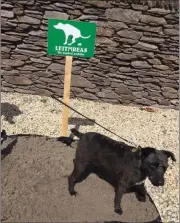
<point x="67" y="86"/>
<point x="71" y="39"/>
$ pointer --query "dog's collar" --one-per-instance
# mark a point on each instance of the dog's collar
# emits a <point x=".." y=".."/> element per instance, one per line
<point x="135" y="149"/>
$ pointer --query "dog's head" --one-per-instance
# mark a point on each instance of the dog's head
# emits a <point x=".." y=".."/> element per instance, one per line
<point x="58" y="26"/>
<point x="155" y="164"/>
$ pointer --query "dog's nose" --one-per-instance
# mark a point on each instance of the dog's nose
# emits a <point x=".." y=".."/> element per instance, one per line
<point x="161" y="183"/>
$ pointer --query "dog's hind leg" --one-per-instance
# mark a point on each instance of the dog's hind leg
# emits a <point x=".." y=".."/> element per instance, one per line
<point x="80" y="172"/>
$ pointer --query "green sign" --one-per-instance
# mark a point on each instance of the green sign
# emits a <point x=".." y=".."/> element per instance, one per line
<point x="71" y="38"/>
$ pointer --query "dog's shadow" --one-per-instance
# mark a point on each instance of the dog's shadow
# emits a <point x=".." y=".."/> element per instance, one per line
<point x="9" y="111"/>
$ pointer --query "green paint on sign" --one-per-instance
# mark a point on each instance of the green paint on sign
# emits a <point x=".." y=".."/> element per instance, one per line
<point x="71" y="38"/>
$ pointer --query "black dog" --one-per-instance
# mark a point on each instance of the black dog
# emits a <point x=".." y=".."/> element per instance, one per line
<point x="123" y="166"/>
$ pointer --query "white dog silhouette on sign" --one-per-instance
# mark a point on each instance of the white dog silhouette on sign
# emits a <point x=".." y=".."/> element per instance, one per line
<point x="70" y="30"/>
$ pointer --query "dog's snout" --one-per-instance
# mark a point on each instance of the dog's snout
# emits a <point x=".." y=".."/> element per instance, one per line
<point x="161" y="183"/>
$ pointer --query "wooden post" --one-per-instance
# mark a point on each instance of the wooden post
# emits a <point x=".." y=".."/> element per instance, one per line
<point x="67" y="85"/>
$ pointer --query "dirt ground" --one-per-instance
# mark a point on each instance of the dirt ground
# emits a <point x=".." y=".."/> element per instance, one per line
<point x="34" y="188"/>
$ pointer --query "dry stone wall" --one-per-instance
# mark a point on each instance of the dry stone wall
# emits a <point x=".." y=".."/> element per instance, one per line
<point x="136" y="56"/>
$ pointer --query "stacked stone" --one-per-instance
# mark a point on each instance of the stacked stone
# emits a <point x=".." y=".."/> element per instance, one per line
<point x="136" y="55"/>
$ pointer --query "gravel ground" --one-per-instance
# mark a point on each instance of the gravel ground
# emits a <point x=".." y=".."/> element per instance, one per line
<point x="42" y="115"/>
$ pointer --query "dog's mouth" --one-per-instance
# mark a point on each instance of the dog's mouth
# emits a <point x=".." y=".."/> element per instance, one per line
<point x="157" y="183"/>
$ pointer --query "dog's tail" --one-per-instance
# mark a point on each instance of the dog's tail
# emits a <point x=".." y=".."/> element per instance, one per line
<point x="85" y="37"/>
<point x="77" y="133"/>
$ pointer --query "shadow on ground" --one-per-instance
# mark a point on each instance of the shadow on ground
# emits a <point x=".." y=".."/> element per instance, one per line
<point x="9" y="111"/>
<point x="34" y="187"/>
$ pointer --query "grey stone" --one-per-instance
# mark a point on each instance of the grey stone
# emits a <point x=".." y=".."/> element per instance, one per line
<point x="108" y="95"/>
<point x="148" y="73"/>
<point x="18" y="80"/>
<point x="101" y="31"/>
<point x="36" y="60"/>
<point x="140" y="7"/>
<point x="104" y="41"/>
<point x="148" y="80"/>
<point x="126" y="40"/>
<point x="78" y="81"/>
<point x="30" y="52"/>
<point x="169" y="89"/>
<point x="56" y="67"/>
<point x="100" y="4"/>
<point x="123" y="15"/>
<point x="125" y="70"/>
<point x="7" y="14"/>
<point x="75" y="12"/>
<point x="12" y="63"/>
<point x="171" y="85"/>
<point x="91" y="11"/>
<point x="132" y="82"/>
<point x="124" y="56"/>
<point x="59" y="91"/>
<point x="152" y="19"/>
<point x="144" y="101"/>
<point x="140" y="64"/>
<point x="127" y="97"/>
<point x="152" y="39"/>
<point x="38" y="33"/>
<point x="6" y="6"/>
<point x="115" y="85"/>
<point x="167" y="57"/>
<point x="94" y="90"/>
<point x="135" y="88"/>
<point x="120" y="62"/>
<point x="23" y="26"/>
<point x="170" y="95"/>
<point x="43" y="92"/>
<point x="24" y="91"/>
<point x="88" y="96"/>
<point x="117" y="25"/>
<point x="140" y="94"/>
<point x="42" y="74"/>
<point x="122" y="89"/>
<point x="55" y="15"/>
<point x="131" y="34"/>
<point x="164" y="102"/>
<point x="18" y="11"/>
<point x="10" y="38"/>
<point x="151" y="87"/>
<point x="145" y="46"/>
<point x="5" y="49"/>
<point x="64" y="6"/>
<point x="171" y="32"/>
<point x="88" y="17"/>
<point x="161" y="67"/>
<point x="28" y="68"/>
<point x="28" y="20"/>
<point x="154" y="61"/>
<point x="142" y="54"/>
<point x="76" y="90"/>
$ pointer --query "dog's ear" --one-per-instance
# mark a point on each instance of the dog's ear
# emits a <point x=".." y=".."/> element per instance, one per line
<point x="146" y="151"/>
<point x="169" y="154"/>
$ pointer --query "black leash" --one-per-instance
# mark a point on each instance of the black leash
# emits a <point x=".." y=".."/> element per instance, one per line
<point x="93" y="121"/>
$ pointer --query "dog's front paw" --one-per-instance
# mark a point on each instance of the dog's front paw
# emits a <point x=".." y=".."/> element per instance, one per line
<point x="73" y="193"/>
<point x="118" y="210"/>
<point x="141" y="198"/>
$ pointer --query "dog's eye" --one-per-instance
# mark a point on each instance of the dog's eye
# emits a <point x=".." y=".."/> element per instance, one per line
<point x="152" y="166"/>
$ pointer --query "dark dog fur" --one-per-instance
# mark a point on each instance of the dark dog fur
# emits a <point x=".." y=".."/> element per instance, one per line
<point x="118" y="164"/>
